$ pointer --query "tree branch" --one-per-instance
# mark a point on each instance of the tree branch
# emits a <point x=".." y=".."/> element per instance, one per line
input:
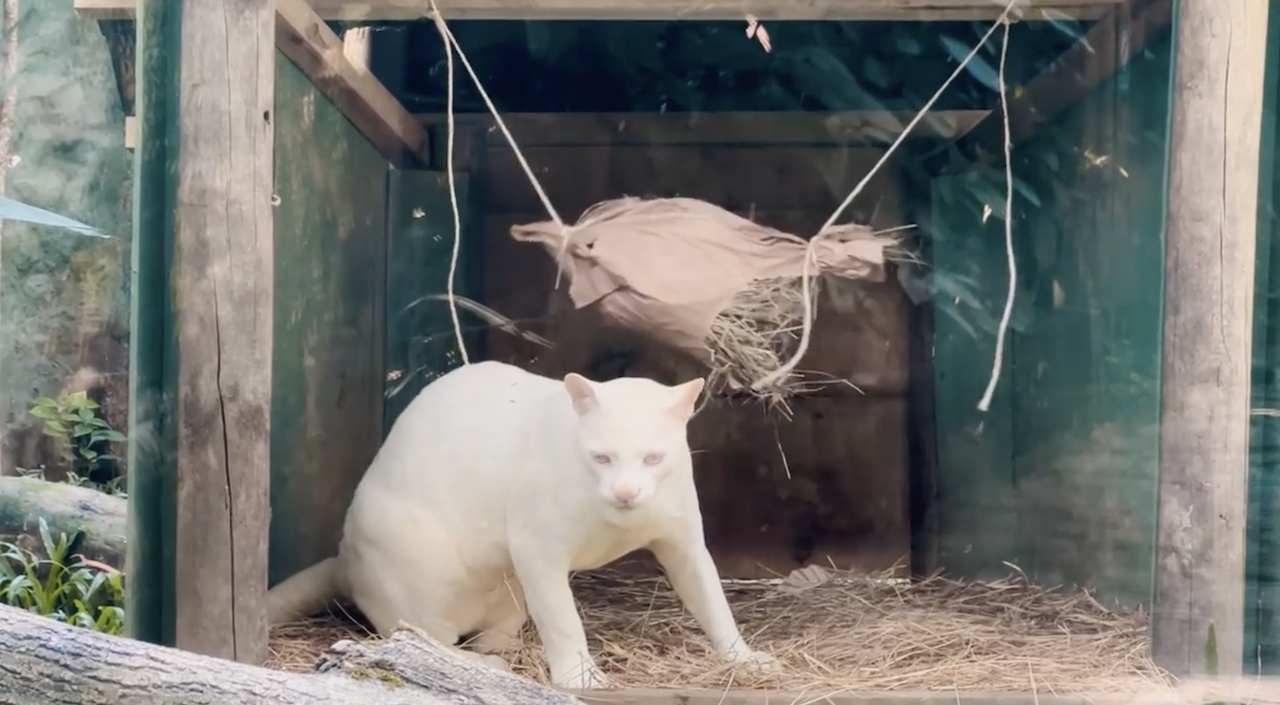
<point x="67" y="509"/>
<point x="50" y="663"/>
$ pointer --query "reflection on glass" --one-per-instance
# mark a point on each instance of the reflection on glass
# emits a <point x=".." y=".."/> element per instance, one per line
<point x="890" y="463"/>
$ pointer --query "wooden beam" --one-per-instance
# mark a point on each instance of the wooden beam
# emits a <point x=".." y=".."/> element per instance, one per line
<point x="200" y="505"/>
<point x="401" y="10"/>
<point x="1211" y="231"/>
<point x="328" y="62"/>
<point x="644" y="129"/>
<point x="1121" y="34"/>
<point x="743" y="696"/>
<point x="1264" y="690"/>
<point x="305" y="38"/>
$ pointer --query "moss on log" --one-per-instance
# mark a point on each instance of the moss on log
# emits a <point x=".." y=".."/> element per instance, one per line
<point x="50" y="663"/>
<point x="66" y="509"/>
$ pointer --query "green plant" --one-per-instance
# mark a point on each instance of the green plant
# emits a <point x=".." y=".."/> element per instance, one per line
<point x="74" y="421"/>
<point x="64" y="586"/>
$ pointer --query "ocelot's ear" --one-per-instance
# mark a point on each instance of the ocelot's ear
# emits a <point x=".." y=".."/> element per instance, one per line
<point x="687" y="397"/>
<point x="581" y="392"/>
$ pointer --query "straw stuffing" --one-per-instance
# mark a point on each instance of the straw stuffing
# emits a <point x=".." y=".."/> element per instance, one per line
<point x="836" y="630"/>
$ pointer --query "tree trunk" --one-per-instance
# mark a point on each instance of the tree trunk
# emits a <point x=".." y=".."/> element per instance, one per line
<point x="50" y="663"/>
<point x="66" y="509"/>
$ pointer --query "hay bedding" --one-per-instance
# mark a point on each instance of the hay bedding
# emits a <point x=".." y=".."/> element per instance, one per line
<point x="852" y="632"/>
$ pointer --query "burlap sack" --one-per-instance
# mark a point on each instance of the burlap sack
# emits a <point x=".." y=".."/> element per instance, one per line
<point x="670" y="268"/>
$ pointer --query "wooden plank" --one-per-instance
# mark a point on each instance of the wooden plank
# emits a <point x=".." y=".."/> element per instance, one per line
<point x="149" y="608"/>
<point x="648" y="129"/>
<point x="216" y="142"/>
<point x="739" y="696"/>
<point x="1236" y="690"/>
<point x="931" y="10"/>
<point x="328" y="371"/>
<point x="816" y="178"/>
<point x="305" y="38"/>
<point x="1211" y="234"/>
<point x="1121" y="34"/>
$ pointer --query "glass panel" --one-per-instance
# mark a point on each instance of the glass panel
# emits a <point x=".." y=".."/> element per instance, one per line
<point x="65" y="292"/>
<point x="887" y="468"/>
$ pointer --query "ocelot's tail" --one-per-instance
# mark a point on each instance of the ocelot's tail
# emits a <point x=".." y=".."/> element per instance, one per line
<point x="305" y="593"/>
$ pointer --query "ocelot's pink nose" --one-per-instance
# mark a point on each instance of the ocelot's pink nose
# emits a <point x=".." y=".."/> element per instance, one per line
<point x="625" y="492"/>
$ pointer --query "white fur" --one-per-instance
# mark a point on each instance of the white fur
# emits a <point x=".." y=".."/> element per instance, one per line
<point x="493" y="485"/>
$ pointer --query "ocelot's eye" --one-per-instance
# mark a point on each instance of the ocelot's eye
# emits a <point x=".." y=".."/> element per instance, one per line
<point x="600" y="458"/>
<point x="654" y="458"/>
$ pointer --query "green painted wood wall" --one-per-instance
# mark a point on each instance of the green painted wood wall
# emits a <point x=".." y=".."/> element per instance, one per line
<point x="420" y="340"/>
<point x="1060" y="477"/>
<point x="330" y="237"/>
<point x="361" y="249"/>
<point x="1262" y="596"/>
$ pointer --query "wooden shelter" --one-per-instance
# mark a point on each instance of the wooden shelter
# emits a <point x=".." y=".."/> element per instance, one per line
<point x="277" y="187"/>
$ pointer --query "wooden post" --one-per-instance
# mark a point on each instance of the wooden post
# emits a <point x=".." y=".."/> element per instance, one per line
<point x="1198" y="612"/>
<point x="199" y="499"/>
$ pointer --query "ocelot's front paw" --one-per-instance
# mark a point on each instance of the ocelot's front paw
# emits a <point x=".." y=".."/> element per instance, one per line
<point x="757" y="661"/>
<point x="588" y="677"/>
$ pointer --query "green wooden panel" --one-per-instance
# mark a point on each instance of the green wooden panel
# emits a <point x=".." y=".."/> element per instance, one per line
<point x="1066" y="490"/>
<point x="977" y="527"/>
<point x="149" y="605"/>
<point x="1262" y="597"/>
<point x="330" y="238"/>
<point x="420" y="340"/>
<point x="1088" y="372"/>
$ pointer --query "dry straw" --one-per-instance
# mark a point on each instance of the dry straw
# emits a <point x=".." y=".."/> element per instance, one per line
<point x="843" y="632"/>
<point x="754" y="334"/>
<point x="762" y="326"/>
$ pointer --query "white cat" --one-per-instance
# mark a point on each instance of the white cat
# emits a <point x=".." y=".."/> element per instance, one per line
<point x="494" y="484"/>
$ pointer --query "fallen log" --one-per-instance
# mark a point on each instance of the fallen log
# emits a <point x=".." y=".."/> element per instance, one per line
<point x="50" y="663"/>
<point x="66" y="509"/>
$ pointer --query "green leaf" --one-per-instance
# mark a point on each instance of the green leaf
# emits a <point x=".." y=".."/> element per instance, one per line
<point x="44" y="412"/>
<point x="46" y="538"/>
